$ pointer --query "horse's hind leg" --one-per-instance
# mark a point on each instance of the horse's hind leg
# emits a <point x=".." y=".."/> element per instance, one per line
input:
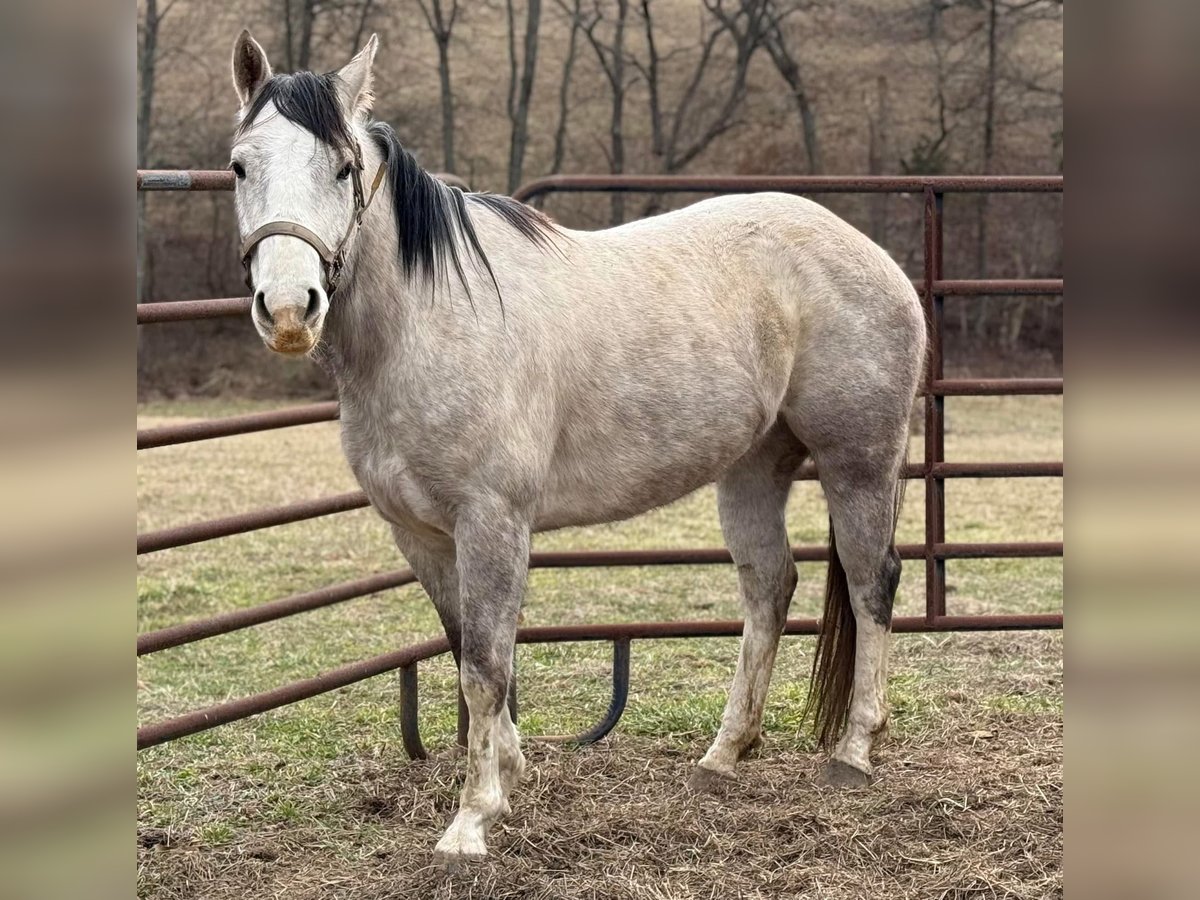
<point x="752" y="497"/>
<point x="862" y="505"/>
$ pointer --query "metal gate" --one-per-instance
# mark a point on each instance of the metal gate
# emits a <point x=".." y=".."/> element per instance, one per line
<point x="934" y="470"/>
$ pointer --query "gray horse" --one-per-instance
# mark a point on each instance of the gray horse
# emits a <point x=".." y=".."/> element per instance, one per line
<point x="501" y="375"/>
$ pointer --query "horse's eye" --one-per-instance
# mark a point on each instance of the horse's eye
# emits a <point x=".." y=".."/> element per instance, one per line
<point x="345" y="172"/>
<point x="237" y="169"/>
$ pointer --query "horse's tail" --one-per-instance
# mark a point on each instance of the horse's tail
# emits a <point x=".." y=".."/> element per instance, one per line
<point x="833" y="663"/>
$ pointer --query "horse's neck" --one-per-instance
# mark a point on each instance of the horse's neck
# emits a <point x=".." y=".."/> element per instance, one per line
<point x="370" y="315"/>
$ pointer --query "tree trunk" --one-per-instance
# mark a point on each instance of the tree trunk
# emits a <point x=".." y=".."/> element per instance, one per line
<point x="304" y="51"/>
<point x="289" y="37"/>
<point x="789" y="70"/>
<point x="808" y="124"/>
<point x="146" y="64"/>
<point x="363" y="17"/>
<point x="616" y="131"/>
<point x="523" y="91"/>
<point x="989" y="149"/>
<point x="443" y="45"/>
<point x="879" y="152"/>
<point x="564" y="95"/>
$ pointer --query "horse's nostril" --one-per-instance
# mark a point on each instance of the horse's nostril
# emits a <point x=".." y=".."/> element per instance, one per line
<point x="314" y="304"/>
<point x="260" y="307"/>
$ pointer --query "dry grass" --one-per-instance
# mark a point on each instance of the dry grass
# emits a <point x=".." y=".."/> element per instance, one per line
<point x="317" y="799"/>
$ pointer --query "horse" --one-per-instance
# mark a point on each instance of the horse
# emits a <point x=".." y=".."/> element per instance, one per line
<point x="501" y="375"/>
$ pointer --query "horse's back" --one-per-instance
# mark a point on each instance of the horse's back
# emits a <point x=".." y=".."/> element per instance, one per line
<point x="691" y="333"/>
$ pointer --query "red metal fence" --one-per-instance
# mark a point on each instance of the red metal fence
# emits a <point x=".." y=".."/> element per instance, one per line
<point x="934" y="471"/>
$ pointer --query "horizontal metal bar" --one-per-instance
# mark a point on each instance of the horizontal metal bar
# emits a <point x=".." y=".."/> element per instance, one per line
<point x="181" y="535"/>
<point x="198" y="629"/>
<point x="150" y="542"/>
<point x="187" y="432"/>
<point x="244" y="707"/>
<point x="795" y="184"/>
<point x="998" y="470"/>
<point x="996" y="287"/>
<point x="995" y="387"/>
<point x="1007" y="550"/>
<point x="189" y="310"/>
<point x="185" y="180"/>
<point x="222" y="180"/>
<point x="808" y="472"/>
<point x="690" y="556"/>
<point x="557" y="634"/>
<point x="225" y="623"/>
<point x="186" y="310"/>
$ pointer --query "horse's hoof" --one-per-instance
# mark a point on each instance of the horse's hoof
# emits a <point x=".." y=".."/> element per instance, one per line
<point x="838" y="774"/>
<point x="456" y="863"/>
<point x="709" y="781"/>
<point x="459" y="847"/>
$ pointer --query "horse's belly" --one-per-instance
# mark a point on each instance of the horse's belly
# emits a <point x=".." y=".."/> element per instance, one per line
<point x="612" y="480"/>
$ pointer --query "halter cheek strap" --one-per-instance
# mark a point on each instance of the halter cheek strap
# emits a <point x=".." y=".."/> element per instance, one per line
<point x="332" y="261"/>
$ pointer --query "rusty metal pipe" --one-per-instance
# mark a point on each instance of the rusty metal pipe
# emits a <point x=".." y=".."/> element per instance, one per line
<point x="189" y="310"/>
<point x="995" y="387"/>
<point x="195" y="533"/>
<point x="244" y="707"/>
<point x="199" y="629"/>
<point x="226" y="623"/>
<point x="995" y="287"/>
<point x="793" y="184"/>
<point x="223" y="180"/>
<point x="167" y="435"/>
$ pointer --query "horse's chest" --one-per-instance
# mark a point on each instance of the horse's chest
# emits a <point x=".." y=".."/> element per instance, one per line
<point x="393" y="485"/>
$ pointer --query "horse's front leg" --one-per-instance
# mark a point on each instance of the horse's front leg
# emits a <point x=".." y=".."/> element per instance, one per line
<point x="493" y="561"/>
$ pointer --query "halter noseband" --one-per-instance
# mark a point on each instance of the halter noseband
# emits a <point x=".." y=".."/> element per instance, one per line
<point x="333" y="261"/>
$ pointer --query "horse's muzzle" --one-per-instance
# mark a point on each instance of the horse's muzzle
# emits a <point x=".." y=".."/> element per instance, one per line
<point x="293" y="328"/>
<point x="290" y="332"/>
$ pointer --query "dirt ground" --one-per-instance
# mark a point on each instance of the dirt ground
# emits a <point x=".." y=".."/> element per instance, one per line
<point x="977" y="814"/>
<point x="968" y="804"/>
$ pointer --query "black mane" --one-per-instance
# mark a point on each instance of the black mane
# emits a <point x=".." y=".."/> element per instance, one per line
<point x="432" y="220"/>
<point x="305" y="99"/>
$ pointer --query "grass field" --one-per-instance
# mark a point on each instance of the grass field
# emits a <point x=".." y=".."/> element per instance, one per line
<point x="318" y="799"/>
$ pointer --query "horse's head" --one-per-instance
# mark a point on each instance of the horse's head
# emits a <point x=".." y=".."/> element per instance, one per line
<point x="300" y="189"/>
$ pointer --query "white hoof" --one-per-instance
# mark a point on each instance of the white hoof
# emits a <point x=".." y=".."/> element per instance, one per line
<point x="459" y="846"/>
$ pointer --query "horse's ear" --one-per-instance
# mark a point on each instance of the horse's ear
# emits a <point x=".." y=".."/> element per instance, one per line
<point x="356" y="81"/>
<point x="250" y="67"/>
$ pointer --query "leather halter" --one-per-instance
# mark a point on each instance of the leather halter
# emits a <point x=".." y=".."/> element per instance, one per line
<point x="333" y="261"/>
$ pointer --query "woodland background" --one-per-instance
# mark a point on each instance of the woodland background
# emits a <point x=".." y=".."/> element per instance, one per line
<point x="503" y="92"/>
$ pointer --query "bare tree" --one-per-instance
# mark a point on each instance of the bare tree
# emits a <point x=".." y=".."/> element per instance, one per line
<point x="441" y="26"/>
<point x="612" y="59"/>
<point x="783" y="55"/>
<point x="521" y="89"/>
<point x="989" y="143"/>
<point x="360" y="31"/>
<point x="148" y="52"/>
<point x="679" y="138"/>
<point x="299" y="17"/>
<point x="564" y="87"/>
<point x="879" y="150"/>
<point x="1020" y="12"/>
